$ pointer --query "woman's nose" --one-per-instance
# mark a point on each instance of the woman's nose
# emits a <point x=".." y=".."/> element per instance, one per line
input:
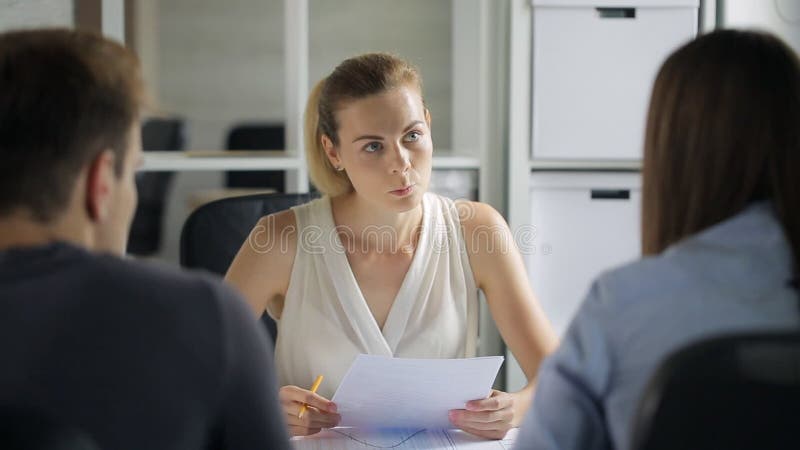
<point x="401" y="159"/>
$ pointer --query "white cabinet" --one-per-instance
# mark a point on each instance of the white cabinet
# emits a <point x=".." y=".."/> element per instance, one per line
<point x="584" y="223"/>
<point x="455" y="184"/>
<point x="580" y="79"/>
<point x="593" y="67"/>
<point x="581" y="224"/>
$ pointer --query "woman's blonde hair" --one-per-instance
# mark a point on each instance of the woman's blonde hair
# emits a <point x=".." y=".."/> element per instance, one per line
<point x="353" y="79"/>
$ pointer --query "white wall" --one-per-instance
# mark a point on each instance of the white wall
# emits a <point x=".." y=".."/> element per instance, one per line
<point x="781" y="17"/>
<point x="35" y="13"/>
<point x="220" y="63"/>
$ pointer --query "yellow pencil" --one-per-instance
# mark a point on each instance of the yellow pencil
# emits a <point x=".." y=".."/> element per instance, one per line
<point x="313" y="389"/>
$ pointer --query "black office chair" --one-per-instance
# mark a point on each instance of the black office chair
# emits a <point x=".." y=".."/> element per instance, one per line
<point x="23" y="428"/>
<point x="256" y="136"/>
<point x="731" y="392"/>
<point x="214" y="232"/>
<point x="153" y="187"/>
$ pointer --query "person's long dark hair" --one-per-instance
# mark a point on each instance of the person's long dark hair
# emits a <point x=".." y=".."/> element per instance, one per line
<point x="723" y="131"/>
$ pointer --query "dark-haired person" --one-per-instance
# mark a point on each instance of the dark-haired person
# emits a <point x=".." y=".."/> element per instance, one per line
<point x="720" y="238"/>
<point x="134" y="356"/>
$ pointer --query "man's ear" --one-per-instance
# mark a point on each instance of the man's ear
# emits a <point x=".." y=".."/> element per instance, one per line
<point x="100" y="186"/>
<point x="330" y="151"/>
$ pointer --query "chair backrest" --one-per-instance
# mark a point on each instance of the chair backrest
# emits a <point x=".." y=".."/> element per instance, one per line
<point x="163" y="134"/>
<point x="732" y="392"/>
<point x="256" y="136"/>
<point x="23" y="428"/>
<point x="214" y="232"/>
<point x="152" y="187"/>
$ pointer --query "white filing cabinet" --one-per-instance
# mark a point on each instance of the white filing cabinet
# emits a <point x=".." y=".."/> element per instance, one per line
<point x="593" y="67"/>
<point x="583" y="224"/>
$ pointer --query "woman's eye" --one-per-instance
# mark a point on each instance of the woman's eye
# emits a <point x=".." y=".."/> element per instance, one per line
<point x="413" y="136"/>
<point x="372" y="147"/>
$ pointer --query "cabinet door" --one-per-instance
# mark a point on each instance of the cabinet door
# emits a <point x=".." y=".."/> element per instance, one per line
<point x="581" y="225"/>
<point x="584" y="224"/>
<point x="593" y="68"/>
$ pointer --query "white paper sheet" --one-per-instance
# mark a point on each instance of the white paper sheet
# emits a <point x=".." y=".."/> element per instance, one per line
<point x="353" y="439"/>
<point x="380" y="391"/>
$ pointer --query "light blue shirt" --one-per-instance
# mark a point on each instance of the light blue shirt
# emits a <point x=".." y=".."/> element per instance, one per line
<point x="728" y="278"/>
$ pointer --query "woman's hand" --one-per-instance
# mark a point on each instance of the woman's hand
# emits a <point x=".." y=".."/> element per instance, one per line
<point x="320" y="412"/>
<point x="490" y="418"/>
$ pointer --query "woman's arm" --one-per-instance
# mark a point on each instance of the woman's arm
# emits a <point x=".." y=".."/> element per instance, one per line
<point x="261" y="269"/>
<point x="261" y="272"/>
<point x="500" y="273"/>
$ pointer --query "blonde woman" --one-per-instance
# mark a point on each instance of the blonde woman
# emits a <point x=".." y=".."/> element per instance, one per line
<point x="379" y="265"/>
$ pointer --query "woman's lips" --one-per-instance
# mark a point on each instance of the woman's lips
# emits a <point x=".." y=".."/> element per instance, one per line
<point x="402" y="192"/>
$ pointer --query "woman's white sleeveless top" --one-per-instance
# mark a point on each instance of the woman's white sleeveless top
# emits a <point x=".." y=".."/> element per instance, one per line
<point x="326" y="322"/>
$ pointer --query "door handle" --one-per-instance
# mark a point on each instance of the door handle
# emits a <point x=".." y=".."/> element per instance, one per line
<point x="611" y="194"/>
<point x="616" y="13"/>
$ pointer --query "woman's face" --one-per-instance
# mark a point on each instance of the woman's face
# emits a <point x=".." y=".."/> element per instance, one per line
<point x="385" y="147"/>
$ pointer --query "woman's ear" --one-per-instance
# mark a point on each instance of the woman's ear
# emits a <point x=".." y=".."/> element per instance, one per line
<point x="330" y="151"/>
<point x="100" y="184"/>
<point x="428" y="117"/>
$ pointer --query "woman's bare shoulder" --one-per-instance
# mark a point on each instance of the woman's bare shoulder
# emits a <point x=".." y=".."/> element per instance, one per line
<point x="275" y="235"/>
<point x="269" y="249"/>
<point x="484" y="230"/>
<point x="478" y="214"/>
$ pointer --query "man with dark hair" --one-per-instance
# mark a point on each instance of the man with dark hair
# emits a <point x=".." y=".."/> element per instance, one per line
<point x="137" y="357"/>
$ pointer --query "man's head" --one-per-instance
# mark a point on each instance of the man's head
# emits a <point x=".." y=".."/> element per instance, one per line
<point x="69" y="132"/>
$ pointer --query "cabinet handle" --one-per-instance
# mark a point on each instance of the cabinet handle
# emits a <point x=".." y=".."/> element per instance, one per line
<point x="616" y="13"/>
<point x="611" y="194"/>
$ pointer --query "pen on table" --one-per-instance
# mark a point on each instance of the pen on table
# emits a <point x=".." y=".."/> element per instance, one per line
<point x="314" y="390"/>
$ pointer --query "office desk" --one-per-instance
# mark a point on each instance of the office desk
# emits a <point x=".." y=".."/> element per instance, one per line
<point x="351" y="439"/>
